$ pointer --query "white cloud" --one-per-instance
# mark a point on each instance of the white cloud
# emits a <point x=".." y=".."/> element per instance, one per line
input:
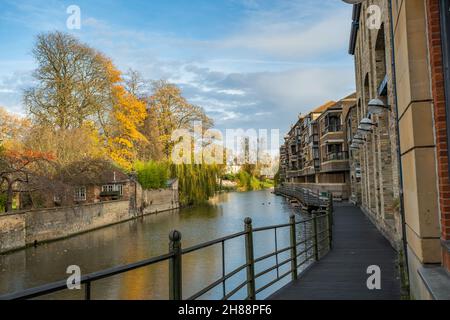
<point x="292" y="39"/>
<point x="284" y="58"/>
<point x="232" y="92"/>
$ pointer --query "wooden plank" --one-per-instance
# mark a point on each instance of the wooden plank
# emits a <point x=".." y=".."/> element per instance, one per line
<point x="342" y="274"/>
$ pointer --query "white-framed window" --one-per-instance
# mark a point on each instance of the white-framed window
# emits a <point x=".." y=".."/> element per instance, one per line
<point x="80" y="194"/>
<point x="113" y="188"/>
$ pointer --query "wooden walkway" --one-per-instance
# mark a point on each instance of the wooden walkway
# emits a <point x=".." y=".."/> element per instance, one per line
<point x="342" y="274"/>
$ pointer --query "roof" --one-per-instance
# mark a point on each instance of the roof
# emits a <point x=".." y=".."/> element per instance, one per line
<point x="350" y="97"/>
<point x="112" y="175"/>
<point x="324" y="107"/>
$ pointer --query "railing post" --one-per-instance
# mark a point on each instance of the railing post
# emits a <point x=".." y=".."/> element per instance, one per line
<point x="316" y="237"/>
<point x="175" y="266"/>
<point x="330" y="207"/>
<point x="249" y="254"/>
<point x="87" y="292"/>
<point x="293" y="247"/>
<point x="330" y="220"/>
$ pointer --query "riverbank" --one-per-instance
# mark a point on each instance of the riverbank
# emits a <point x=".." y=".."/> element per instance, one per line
<point x="26" y="228"/>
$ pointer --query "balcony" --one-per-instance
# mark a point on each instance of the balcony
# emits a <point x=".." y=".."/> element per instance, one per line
<point x="336" y="156"/>
<point x="314" y="139"/>
<point x="332" y="128"/>
<point x="336" y="161"/>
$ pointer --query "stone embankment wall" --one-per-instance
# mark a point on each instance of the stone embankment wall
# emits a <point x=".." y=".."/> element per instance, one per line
<point x="18" y="230"/>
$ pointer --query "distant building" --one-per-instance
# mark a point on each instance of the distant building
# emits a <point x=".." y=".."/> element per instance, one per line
<point x="315" y="154"/>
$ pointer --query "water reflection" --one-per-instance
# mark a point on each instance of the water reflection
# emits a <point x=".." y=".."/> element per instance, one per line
<point x="148" y="237"/>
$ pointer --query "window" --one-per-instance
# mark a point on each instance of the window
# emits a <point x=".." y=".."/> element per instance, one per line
<point x="80" y="194"/>
<point x="113" y="188"/>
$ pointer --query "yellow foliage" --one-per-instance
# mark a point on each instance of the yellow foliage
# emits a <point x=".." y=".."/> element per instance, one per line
<point x="127" y="117"/>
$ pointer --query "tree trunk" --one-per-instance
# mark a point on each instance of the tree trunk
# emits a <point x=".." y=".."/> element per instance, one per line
<point x="9" y="196"/>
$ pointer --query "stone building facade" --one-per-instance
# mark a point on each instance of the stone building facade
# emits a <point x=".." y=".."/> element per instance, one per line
<point x="315" y="152"/>
<point x="404" y="185"/>
<point x="377" y="190"/>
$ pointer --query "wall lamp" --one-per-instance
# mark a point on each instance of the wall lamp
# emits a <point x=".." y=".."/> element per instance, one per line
<point x="376" y="106"/>
<point x="366" y="124"/>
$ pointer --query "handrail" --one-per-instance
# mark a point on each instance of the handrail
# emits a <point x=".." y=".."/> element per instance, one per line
<point x="307" y="197"/>
<point x="176" y="252"/>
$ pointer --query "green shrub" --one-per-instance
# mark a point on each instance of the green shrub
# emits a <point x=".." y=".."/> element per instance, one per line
<point x="152" y="175"/>
<point x="2" y="202"/>
<point x="229" y="177"/>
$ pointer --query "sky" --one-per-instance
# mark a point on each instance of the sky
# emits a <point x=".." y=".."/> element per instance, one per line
<point x="249" y="63"/>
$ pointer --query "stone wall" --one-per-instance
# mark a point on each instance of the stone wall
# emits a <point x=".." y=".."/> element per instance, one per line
<point x="154" y="201"/>
<point x="45" y="225"/>
<point x="21" y="229"/>
<point x="28" y="227"/>
<point x="12" y="232"/>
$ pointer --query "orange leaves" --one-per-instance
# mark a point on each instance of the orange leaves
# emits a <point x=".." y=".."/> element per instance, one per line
<point x="27" y="156"/>
<point x="128" y="115"/>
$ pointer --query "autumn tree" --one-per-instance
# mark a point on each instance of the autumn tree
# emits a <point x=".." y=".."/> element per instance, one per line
<point x="139" y="87"/>
<point x="71" y="86"/>
<point x="127" y="117"/>
<point x="67" y="146"/>
<point x="172" y="112"/>
<point x="78" y="87"/>
<point x="13" y="128"/>
<point x="16" y="167"/>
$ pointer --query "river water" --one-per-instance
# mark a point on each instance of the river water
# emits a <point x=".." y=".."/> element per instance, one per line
<point x="148" y="237"/>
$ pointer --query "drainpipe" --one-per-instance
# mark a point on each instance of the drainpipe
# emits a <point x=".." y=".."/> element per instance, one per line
<point x="399" y="155"/>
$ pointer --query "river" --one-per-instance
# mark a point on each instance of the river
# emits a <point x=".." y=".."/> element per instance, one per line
<point x="148" y="237"/>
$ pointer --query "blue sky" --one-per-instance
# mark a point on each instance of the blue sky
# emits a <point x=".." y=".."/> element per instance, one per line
<point x="249" y="63"/>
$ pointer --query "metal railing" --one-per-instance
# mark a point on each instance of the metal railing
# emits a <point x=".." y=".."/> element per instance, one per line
<point x="336" y="156"/>
<point x="305" y="196"/>
<point x="312" y="248"/>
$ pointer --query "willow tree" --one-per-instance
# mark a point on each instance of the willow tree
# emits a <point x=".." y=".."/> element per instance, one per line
<point x="197" y="182"/>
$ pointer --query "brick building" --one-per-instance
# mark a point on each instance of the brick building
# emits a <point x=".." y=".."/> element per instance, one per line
<point x="109" y="184"/>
